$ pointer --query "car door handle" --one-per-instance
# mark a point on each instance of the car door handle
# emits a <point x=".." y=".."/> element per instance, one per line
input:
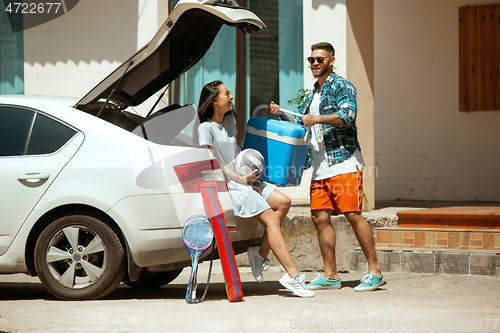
<point x="33" y="177"/>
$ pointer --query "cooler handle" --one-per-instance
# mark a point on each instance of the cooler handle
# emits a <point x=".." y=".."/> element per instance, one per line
<point x="257" y="109"/>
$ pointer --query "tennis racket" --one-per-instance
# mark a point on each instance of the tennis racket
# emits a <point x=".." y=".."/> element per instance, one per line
<point x="197" y="235"/>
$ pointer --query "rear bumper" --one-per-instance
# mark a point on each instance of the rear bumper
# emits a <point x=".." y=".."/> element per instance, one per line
<point x="185" y="261"/>
<point x="154" y="232"/>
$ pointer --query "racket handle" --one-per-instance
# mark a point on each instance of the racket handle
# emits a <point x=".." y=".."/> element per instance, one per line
<point x="191" y="287"/>
<point x="193" y="281"/>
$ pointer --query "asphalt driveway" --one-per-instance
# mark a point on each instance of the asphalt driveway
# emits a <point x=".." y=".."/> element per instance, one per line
<point x="408" y="302"/>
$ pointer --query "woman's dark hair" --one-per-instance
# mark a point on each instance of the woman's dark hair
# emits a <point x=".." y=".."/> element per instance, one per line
<point x="205" y="109"/>
<point x="208" y="94"/>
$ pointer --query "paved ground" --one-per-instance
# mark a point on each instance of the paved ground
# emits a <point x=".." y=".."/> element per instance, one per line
<point x="408" y="302"/>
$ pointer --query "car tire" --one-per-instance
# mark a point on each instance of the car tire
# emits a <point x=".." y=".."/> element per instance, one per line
<point x="79" y="257"/>
<point x="152" y="280"/>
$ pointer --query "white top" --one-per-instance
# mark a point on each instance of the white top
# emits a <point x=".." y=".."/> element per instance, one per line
<point x="222" y="137"/>
<point x="321" y="169"/>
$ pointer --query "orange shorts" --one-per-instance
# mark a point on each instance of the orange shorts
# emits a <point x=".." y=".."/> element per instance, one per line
<point x="342" y="193"/>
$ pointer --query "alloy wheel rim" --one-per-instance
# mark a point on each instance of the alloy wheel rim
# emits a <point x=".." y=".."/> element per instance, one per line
<point x="76" y="257"/>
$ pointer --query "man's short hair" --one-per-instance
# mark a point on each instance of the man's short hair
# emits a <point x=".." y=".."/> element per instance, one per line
<point x="324" y="46"/>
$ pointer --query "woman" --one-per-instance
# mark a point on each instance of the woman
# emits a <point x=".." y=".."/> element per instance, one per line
<point x="250" y="197"/>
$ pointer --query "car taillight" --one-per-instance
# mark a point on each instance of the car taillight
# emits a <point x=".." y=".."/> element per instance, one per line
<point x="192" y="175"/>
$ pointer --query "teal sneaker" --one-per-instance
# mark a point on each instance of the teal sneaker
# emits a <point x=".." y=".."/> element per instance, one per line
<point x="370" y="282"/>
<point x="321" y="282"/>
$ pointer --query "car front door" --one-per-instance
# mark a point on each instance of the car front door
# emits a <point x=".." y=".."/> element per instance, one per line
<point x="34" y="148"/>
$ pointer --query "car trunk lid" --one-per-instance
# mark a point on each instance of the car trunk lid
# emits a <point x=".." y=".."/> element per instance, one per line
<point x="182" y="40"/>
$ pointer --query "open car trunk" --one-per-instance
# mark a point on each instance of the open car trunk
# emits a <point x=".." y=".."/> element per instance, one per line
<point x="182" y="40"/>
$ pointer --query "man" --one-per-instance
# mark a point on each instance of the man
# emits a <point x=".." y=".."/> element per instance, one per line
<point x="335" y="155"/>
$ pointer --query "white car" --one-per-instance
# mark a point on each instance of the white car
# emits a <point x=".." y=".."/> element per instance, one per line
<point x="93" y="195"/>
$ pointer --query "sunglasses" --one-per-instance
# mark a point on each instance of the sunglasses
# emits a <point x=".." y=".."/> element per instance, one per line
<point x="313" y="59"/>
<point x="227" y="94"/>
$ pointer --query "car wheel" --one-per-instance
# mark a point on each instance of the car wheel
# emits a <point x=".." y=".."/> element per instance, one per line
<point x="152" y="280"/>
<point x="79" y="257"/>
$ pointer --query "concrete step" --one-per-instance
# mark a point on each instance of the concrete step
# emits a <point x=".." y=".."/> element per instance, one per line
<point x="437" y="238"/>
<point x="444" y="240"/>
<point x="468" y="217"/>
<point x="464" y="262"/>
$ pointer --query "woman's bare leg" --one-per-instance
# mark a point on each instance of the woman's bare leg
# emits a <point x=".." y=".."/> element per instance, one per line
<point x="280" y="204"/>
<point x="275" y="240"/>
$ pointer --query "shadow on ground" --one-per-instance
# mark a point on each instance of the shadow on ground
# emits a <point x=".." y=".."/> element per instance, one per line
<point x="217" y="291"/>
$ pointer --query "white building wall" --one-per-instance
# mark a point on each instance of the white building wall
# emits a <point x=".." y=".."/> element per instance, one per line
<point x="425" y="148"/>
<point x="324" y="21"/>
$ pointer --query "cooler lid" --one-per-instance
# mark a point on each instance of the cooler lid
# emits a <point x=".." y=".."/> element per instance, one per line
<point x="281" y="128"/>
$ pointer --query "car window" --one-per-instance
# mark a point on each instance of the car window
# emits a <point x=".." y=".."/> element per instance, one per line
<point x="170" y="126"/>
<point x="48" y="136"/>
<point x="15" y="126"/>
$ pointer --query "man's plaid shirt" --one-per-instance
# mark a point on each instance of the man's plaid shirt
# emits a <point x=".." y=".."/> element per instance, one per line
<point x="337" y="96"/>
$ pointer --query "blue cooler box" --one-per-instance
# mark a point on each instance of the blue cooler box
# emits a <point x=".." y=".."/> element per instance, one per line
<point x="283" y="146"/>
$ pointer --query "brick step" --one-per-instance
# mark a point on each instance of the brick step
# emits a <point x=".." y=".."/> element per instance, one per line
<point x="468" y="217"/>
<point x="437" y="238"/>
<point x="471" y="262"/>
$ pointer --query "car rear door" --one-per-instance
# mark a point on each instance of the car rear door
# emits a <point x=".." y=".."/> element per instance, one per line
<point x="34" y="148"/>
